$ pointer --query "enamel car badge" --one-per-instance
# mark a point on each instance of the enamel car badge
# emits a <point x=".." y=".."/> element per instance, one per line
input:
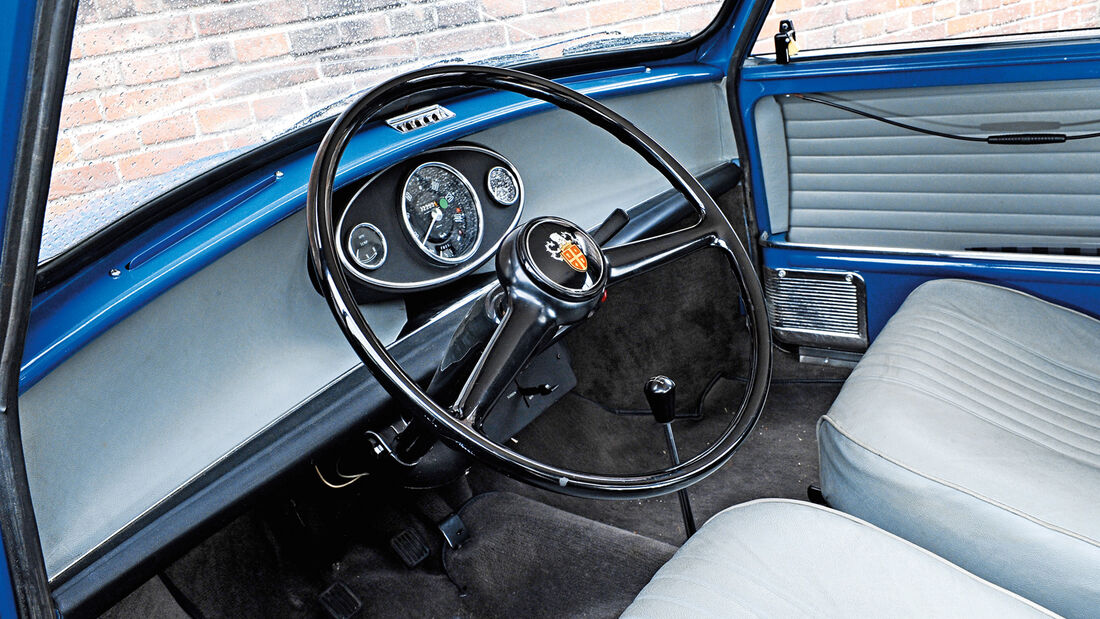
<point x="563" y="246"/>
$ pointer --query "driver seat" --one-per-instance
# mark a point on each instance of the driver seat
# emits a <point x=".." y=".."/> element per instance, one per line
<point x="784" y="558"/>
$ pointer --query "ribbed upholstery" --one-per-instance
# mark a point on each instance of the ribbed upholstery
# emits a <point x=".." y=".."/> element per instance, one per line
<point x="781" y="558"/>
<point x="857" y="181"/>
<point x="972" y="427"/>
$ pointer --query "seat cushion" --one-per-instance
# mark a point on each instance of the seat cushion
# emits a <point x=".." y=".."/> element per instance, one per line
<point x="782" y="558"/>
<point x="972" y="428"/>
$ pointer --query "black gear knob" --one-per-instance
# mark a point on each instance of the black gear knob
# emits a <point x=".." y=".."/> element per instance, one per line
<point x="660" y="392"/>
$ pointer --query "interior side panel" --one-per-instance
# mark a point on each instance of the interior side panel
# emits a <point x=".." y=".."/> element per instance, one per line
<point x="842" y="179"/>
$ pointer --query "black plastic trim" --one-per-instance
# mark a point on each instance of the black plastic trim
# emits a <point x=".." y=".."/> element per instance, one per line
<point x="48" y="65"/>
<point x="101" y="243"/>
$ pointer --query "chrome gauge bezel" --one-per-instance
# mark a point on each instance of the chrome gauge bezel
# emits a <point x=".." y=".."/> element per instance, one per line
<point x="385" y="246"/>
<point x="477" y="207"/>
<point x="515" y="184"/>
<point x="369" y="278"/>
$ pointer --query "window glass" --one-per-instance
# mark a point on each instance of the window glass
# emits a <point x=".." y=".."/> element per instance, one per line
<point x="823" y="24"/>
<point x="161" y="90"/>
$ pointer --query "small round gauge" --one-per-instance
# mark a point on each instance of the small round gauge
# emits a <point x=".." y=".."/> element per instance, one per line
<point x="503" y="186"/>
<point x="367" y="246"/>
<point x="442" y="213"/>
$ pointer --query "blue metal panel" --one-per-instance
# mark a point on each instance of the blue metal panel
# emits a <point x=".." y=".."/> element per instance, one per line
<point x="69" y="316"/>
<point x="15" y="47"/>
<point x="890" y="278"/>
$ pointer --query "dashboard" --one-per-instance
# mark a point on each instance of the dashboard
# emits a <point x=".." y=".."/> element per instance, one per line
<point x="430" y="219"/>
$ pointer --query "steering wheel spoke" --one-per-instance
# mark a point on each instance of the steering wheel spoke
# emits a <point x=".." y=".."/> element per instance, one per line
<point x="644" y="255"/>
<point x="523" y="328"/>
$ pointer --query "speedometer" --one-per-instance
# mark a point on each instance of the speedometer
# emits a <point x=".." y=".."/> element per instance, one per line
<point x="442" y="213"/>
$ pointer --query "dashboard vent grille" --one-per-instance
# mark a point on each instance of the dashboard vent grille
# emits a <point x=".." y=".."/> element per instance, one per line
<point x="419" y="119"/>
<point x="826" y="309"/>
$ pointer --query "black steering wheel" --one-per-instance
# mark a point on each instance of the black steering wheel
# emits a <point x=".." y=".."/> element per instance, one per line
<point x="552" y="276"/>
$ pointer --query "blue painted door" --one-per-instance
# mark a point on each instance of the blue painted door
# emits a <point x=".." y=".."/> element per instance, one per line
<point x="1007" y="214"/>
<point x="15" y="50"/>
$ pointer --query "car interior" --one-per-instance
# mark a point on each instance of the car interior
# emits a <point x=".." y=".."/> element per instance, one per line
<point x="688" y="327"/>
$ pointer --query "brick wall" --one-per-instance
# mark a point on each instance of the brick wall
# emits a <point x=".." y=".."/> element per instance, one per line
<point x="157" y="84"/>
<point x="832" y="23"/>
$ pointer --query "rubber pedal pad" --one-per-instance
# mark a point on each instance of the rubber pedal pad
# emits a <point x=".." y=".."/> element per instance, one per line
<point x="340" y="602"/>
<point x="410" y="547"/>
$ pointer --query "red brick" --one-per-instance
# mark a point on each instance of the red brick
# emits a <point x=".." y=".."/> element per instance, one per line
<point x="148" y="69"/>
<point x="278" y="106"/>
<point x="538" y="26"/>
<point x="897" y="21"/>
<point x="85" y="75"/>
<point x="943" y="12"/>
<point x="673" y="5"/>
<point x="224" y="117"/>
<point x="76" y="113"/>
<point x="360" y="59"/>
<point x="167" y="159"/>
<point x="1010" y="14"/>
<point x="63" y="153"/>
<point x="873" y="27"/>
<point x="205" y="55"/>
<point x="142" y="101"/>
<point x="786" y="6"/>
<point x="232" y="19"/>
<point x="695" y="20"/>
<point x="863" y="8"/>
<point x="88" y="177"/>
<point x="501" y="8"/>
<point x="536" y="6"/>
<point x="260" y="47"/>
<point x="462" y="40"/>
<point x="127" y="36"/>
<point x="614" y="12"/>
<point x="248" y="84"/>
<point x="167" y="129"/>
<point x="106" y="143"/>
<point x="922" y="16"/>
<point x="967" y="24"/>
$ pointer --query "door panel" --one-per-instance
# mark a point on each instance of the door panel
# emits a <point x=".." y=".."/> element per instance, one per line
<point x="856" y="181"/>
<point x="834" y="191"/>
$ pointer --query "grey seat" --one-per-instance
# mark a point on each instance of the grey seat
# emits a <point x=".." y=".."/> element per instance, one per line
<point x="972" y="428"/>
<point x="782" y="558"/>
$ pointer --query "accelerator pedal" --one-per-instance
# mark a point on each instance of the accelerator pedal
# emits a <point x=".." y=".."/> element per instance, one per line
<point x="340" y="602"/>
<point x="410" y="547"/>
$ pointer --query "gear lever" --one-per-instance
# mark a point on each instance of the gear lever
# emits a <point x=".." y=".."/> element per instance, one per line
<point x="660" y="392"/>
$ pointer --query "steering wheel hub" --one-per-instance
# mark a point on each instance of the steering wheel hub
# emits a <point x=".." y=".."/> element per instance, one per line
<point x="562" y="258"/>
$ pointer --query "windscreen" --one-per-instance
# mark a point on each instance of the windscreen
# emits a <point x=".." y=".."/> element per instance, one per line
<point x="159" y="91"/>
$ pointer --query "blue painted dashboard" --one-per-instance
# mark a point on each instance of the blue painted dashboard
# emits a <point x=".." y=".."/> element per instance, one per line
<point x="70" y="315"/>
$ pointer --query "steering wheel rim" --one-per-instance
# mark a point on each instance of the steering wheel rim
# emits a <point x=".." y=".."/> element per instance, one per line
<point x="624" y="261"/>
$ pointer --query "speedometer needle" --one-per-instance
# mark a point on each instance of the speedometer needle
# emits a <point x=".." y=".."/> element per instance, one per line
<point x="436" y="216"/>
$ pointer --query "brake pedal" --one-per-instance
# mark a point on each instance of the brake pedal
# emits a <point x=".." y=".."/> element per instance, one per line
<point x="410" y="547"/>
<point x="339" y="601"/>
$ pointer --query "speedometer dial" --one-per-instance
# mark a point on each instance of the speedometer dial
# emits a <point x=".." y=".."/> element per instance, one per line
<point x="442" y="213"/>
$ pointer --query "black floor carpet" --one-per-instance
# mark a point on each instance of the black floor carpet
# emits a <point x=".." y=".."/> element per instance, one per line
<point x="526" y="559"/>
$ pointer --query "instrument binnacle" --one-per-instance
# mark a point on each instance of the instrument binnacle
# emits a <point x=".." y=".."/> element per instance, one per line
<point x="430" y="219"/>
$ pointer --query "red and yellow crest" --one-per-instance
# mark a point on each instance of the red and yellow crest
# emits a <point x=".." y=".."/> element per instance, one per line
<point x="563" y="246"/>
<point x="574" y="257"/>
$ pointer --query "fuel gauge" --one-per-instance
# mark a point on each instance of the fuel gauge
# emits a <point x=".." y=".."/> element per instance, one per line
<point x="367" y="246"/>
